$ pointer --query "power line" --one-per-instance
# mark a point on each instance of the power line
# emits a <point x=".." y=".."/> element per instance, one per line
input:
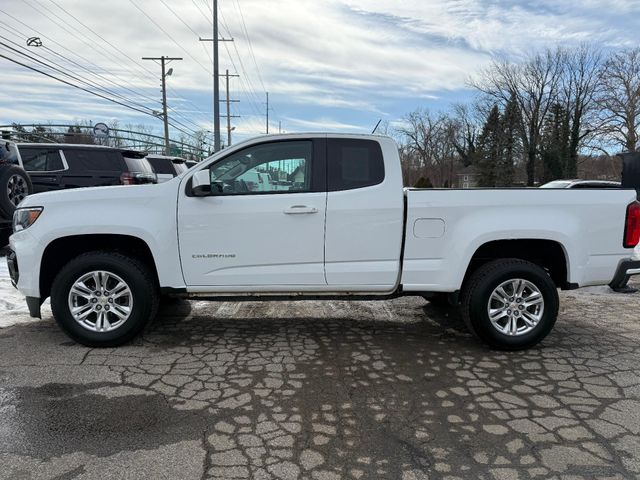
<point x="248" y="90"/>
<point x="169" y="36"/>
<point x="64" y="72"/>
<point x="119" y="50"/>
<point x="86" y="82"/>
<point x="74" y="85"/>
<point x="246" y="33"/>
<point x="143" y="109"/>
<point x="86" y="41"/>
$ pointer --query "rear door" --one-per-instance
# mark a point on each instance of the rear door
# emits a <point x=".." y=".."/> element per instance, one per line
<point x="365" y="209"/>
<point x="45" y="166"/>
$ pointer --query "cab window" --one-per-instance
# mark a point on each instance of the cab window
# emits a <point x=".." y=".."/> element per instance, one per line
<point x="354" y="163"/>
<point x="279" y="167"/>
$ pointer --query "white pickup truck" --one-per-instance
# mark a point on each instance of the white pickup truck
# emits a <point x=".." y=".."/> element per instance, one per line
<point x="332" y="221"/>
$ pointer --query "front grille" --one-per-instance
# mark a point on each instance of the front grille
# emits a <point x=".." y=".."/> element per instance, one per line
<point x="12" y="263"/>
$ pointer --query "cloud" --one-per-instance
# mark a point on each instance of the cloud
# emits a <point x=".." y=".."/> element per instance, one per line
<point x="335" y="64"/>
<point x="322" y="125"/>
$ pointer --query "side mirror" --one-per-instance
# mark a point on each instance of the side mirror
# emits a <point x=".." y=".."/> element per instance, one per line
<point x="201" y="183"/>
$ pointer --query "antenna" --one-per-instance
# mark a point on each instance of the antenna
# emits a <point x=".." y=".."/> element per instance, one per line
<point x="376" y="127"/>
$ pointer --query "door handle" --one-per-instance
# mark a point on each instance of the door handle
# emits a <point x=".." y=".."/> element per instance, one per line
<point x="300" y="209"/>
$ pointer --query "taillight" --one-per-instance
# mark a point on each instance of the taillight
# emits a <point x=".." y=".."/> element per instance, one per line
<point x="632" y="226"/>
<point x="127" y="179"/>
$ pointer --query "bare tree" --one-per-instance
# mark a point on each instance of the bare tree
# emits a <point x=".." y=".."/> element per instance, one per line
<point x="580" y="84"/>
<point x="619" y="99"/>
<point x="534" y="84"/>
<point x="430" y="149"/>
<point x="467" y="123"/>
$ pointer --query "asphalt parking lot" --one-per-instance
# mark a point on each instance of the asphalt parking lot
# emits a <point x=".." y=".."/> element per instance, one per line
<point x="325" y="390"/>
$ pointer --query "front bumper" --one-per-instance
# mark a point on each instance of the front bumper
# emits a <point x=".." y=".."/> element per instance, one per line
<point x="23" y="262"/>
<point x="626" y="268"/>
<point x="33" y="303"/>
<point x="12" y="264"/>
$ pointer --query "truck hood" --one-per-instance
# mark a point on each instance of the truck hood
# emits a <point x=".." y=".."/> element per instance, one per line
<point x="102" y="195"/>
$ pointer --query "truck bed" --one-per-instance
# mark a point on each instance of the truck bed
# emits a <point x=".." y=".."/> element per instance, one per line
<point x="445" y="227"/>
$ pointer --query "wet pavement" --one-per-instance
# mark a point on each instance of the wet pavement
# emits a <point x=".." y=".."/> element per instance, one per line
<point x="326" y="390"/>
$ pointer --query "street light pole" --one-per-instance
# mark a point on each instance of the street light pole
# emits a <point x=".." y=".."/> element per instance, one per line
<point x="165" y="117"/>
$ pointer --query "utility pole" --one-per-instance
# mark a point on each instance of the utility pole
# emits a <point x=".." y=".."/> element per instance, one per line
<point x="279" y="126"/>
<point x="228" y="102"/>
<point x="165" y="117"/>
<point x="216" y="75"/>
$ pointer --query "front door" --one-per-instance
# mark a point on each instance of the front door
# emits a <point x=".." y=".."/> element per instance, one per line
<point x="263" y="228"/>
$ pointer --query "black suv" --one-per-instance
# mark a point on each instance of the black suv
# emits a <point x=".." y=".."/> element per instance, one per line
<point x="15" y="185"/>
<point x="61" y="166"/>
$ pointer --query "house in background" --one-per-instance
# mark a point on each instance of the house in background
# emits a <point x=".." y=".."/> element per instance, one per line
<point x="467" y="178"/>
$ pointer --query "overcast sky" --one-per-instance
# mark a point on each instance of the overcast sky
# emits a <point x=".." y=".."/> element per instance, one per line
<point x="329" y="65"/>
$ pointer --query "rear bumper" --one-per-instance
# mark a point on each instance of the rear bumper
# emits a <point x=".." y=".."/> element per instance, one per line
<point x="626" y="268"/>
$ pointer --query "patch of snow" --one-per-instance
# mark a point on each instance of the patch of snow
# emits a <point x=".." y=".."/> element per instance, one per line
<point x="13" y="308"/>
<point x="598" y="290"/>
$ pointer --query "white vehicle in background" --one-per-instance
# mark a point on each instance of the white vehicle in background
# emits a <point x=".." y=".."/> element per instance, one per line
<point x="257" y="181"/>
<point x="166" y="167"/>
<point x="334" y="222"/>
<point x="577" y="183"/>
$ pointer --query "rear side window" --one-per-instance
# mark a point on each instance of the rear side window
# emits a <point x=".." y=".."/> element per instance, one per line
<point x="95" y="160"/>
<point x="9" y="153"/>
<point x="354" y="164"/>
<point x="139" y="165"/>
<point x="41" y="159"/>
<point x="180" y="167"/>
<point x="162" y="165"/>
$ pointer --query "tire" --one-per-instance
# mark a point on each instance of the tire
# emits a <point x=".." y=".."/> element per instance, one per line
<point x="528" y="328"/>
<point x="140" y="301"/>
<point x="15" y="185"/>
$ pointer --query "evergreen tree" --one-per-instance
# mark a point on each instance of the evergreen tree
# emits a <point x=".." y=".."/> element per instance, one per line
<point x="489" y="149"/>
<point x="423" y="183"/>
<point x="555" y="144"/>
<point x="510" y="135"/>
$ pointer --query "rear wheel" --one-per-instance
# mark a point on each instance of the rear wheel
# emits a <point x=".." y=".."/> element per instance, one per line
<point x="510" y="304"/>
<point x="103" y="299"/>
<point x="15" y="186"/>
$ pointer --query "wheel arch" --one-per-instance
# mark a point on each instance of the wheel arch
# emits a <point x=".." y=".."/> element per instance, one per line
<point x="62" y="249"/>
<point x="548" y="254"/>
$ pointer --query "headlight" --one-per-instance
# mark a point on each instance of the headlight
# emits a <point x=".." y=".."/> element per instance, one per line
<point x="25" y="217"/>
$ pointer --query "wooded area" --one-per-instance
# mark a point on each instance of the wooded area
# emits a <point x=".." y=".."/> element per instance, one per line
<point x="556" y="114"/>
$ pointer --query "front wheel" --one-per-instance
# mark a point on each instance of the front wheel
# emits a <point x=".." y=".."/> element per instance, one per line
<point x="103" y="299"/>
<point x="510" y="304"/>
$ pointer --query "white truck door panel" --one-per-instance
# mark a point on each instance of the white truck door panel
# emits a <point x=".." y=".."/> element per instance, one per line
<point x="270" y="238"/>
<point x="364" y="215"/>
